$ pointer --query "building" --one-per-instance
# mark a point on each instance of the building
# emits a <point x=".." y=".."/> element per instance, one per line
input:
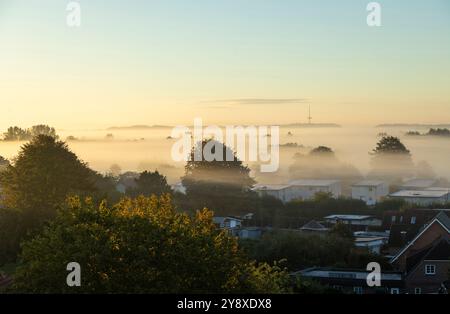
<point x="299" y="189"/>
<point x="373" y="244"/>
<point x="403" y="226"/>
<point x="354" y="280"/>
<point x="425" y="260"/>
<point x="307" y="189"/>
<point x="314" y="227"/>
<point x="423" y="197"/>
<point x="418" y="184"/>
<point x="279" y="191"/>
<point x="370" y="191"/>
<point x="227" y="222"/>
<point x="357" y="222"/>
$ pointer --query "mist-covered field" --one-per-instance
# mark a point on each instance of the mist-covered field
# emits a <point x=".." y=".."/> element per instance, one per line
<point x="138" y="150"/>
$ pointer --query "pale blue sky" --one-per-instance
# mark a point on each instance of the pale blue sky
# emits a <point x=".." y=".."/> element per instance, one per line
<point x="168" y="61"/>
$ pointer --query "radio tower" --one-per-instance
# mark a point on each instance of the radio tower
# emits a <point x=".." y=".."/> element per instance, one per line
<point x="309" y="115"/>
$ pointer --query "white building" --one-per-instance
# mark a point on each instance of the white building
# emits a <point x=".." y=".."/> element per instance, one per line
<point x="374" y="245"/>
<point x="370" y="191"/>
<point x="299" y="189"/>
<point x="307" y="189"/>
<point x="227" y="222"/>
<point x="278" y="191"/>
<point x="423" y="197"/>
<point x="354" y="220"/>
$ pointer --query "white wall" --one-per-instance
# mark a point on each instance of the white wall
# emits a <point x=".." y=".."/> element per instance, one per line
<point x="370" y="195"/>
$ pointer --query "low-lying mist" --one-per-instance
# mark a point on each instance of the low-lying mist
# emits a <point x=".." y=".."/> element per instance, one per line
<point x="139" y="150"/>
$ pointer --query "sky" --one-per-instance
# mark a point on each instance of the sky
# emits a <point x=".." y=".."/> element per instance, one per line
<point x="225" y="61"/>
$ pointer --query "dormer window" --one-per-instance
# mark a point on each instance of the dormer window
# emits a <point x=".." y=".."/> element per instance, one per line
<point x="430" y="269"/>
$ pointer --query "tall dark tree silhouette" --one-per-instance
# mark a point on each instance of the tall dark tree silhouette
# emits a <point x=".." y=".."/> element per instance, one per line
<point x="149" y="183"/>
<point x="223" y="184"/>
<point x="44" y="173"/>
<point x="391" y="159"/>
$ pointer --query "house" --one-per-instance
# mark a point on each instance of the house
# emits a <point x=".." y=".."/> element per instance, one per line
<point x="279" y="191"/>
<point x="404" y="225"/>
<point x="425" y="260"/>
<point x="353" y="280"/>
<point x="299" y="189"/>
<point x="370" y="191"/>
<point x="373" y="244"/>
<point x="423" y="197"/>
<point x="418" y="184"/>
<point x="307" y="189"/>
<point x="357" y="222"/>
<point x="314" y="227"/>
<point x="227" y="222"/>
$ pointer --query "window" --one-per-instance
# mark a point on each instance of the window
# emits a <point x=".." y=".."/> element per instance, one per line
<point x="394" y="218"/>
<point x="395" y="291"/>
<point x="430" y="269"/>
<point x="401" y="219"/>
<point x="357" y="290"/>
<point x="418" y="291"/>
<point x="413" y="220"/>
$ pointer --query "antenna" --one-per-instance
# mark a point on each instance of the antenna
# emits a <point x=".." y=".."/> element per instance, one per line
<point x="309" y="114"/>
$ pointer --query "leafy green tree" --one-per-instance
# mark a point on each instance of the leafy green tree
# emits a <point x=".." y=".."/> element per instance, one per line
<point x="140" y="246"/>
<point x="221" y="185"/>
<point x="149" y="183"/>
<point x="301" y="251"/>
<point x="44" y="173"/>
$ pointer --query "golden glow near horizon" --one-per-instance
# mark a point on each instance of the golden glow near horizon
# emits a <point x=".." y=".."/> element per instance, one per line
<point x="263" y="63"/>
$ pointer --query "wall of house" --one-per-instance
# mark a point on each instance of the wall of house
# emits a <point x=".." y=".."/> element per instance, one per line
<point x="434" y="232"/>
<point x="428" y="283"/>
<point x="368" y="194"/>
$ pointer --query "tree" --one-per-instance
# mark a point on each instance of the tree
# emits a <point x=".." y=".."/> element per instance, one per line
<point x="15" y="133"/>
<point x="44" y="173"/>
<point x="140" y="245"/>
<point x="390" y="145"/>
<point x="322" y="163"/>
<point x="391" y="159"/>
<point x="115" y="170"/>
<point x="221" y="185"/>
<point x="149" y="183"/>
<point x="4" y="163"/>
<point x="42" y="129"/>
<point x="322" y="150"/>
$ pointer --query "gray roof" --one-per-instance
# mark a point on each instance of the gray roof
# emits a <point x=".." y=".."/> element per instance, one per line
<point x="314" y="225"/>
<point x="369" y="183"/>
<point x="421" y="193"/>
<point x="349" y="217"/>
<point x="313" y="182"/>
<point x="270" y="187"/>
<point x="443" y="219"/>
